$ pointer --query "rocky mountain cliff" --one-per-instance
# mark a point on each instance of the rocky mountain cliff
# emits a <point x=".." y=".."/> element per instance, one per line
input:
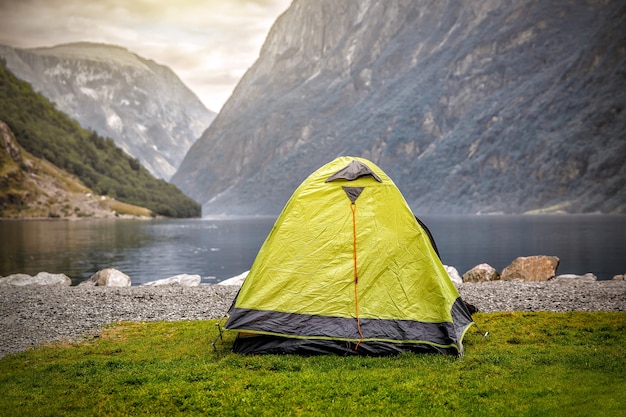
<point x="471" y="107"/>
<point x="141" y="105"/>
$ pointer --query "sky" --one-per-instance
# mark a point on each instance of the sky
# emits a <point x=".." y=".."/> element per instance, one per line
<point x="209" y="44"/>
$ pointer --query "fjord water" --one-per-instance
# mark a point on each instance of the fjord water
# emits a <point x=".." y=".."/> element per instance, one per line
<point x="217" y="249"/>
<point x="145" y="250"/>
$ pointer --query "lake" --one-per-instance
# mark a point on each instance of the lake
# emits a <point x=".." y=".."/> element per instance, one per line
<point x="217" y="249"/>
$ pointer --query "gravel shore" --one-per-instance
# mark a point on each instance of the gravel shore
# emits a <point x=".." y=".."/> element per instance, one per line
<point x="30" y="316"/>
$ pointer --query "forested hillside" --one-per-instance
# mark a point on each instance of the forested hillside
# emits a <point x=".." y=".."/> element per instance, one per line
<point x="142" y="105"/>
<point x="103" y="167"/>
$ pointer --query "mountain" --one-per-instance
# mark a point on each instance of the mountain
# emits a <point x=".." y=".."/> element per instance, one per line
<point x="471" y="107"/>
<point x="45" y="156"/>
<point x="141" y="105"/>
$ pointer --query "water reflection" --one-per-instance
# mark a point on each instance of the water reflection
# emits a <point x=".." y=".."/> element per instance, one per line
<point x="145" y="250"/>
<point x="583" y="243"/>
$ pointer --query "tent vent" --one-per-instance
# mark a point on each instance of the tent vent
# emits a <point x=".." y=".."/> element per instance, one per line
<point x="353" y="193"/>
<point x="355" y="169"/>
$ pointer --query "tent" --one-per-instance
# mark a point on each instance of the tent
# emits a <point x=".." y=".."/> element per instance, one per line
<point x="348" y="269"/>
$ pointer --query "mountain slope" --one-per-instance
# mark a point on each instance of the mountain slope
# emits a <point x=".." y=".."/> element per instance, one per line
<point x="101" y="166"/>
<point x="474" y="107"/>
<point x="32" y="187"/>
<point x="141" y="105"/>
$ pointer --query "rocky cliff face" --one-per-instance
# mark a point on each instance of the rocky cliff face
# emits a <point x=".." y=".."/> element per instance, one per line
<point x="492" y="106"/>
<point x="141" y="105"/>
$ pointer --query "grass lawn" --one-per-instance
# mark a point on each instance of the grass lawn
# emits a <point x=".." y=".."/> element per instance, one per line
<point x="531" y="364"/>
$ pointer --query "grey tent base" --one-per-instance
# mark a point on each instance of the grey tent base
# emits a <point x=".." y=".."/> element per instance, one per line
<point x="264" y="344"/>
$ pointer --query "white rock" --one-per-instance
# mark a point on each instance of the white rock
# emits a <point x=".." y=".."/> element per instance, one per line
<point x="16" y="280"/>
<point x="46" y="278"/>
<point x="42" y="278"/>
<point x="237" y="280"/>
<point x="182" y="280"/>
<point x="109" y="277"/>
<point x="453" y="274"/>
<point x="481" y="273"/>
<point x="587" y="277"/>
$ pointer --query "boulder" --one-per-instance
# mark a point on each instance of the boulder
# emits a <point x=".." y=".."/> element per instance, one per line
<point x="453" y="274"/>
<point x="569" y="277"/>
<point x="531" y="268"/>
<point x="619" y="277"/>
<point x="109" y="277"/>
<point x="42" y="278"/>
<point x="481" y="273"/>
<point x="182" y="280"/>
<point x="46" y="278"/>
<point x="16" y="280"/>
<point x="236" y="280"/>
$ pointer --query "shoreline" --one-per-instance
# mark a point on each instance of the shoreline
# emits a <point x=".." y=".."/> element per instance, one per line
<point x="31" y="316"/>
<point x="87" y="218"/>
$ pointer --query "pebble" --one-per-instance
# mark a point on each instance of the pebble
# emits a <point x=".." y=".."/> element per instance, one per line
<point x="33" y="315"/>
<point x="30" y="316"/>
<point x="552" y="295"/>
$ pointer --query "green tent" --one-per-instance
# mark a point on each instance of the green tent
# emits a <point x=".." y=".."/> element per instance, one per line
<point x="348" y="269"/>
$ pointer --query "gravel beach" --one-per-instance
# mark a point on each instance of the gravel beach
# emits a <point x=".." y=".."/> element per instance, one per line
<point x="33" y="315"/>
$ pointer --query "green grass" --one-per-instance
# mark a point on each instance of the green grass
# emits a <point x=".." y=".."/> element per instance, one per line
<point x="531" y="364"/>
<point x="125" y="208"/>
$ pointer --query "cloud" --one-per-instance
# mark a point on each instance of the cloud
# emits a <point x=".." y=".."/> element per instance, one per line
<point x="208" y="43"/>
